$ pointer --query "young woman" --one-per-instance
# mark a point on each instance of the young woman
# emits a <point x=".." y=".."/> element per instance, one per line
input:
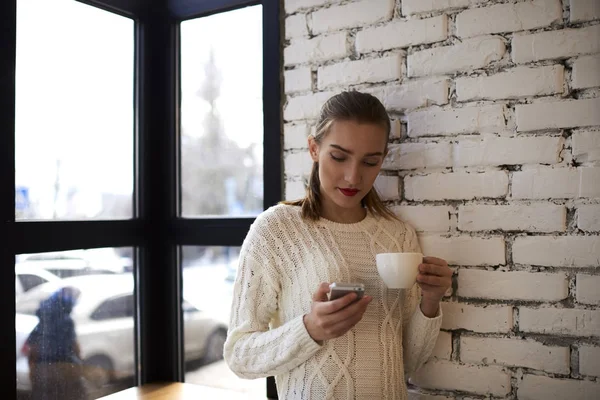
<point x="282" y="323"/>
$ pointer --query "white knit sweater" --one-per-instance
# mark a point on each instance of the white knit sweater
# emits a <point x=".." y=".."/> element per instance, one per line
<point x="282" y="262"/>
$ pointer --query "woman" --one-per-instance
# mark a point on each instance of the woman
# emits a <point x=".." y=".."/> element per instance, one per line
<point x="282" y="323"/>
<point x="54" y="357"/>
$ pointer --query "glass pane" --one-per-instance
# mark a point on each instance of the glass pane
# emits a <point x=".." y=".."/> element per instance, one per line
<point x="222" y="114"/>
<point x="208" y="277"/>
<point x="74" y="112"/>
<point x="75" y="328"/>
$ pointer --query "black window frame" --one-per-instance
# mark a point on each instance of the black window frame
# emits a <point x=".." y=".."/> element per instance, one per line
<point x="156" y="231"/>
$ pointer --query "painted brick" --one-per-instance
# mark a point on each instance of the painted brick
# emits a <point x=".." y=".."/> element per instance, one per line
<point x="560" y="321"/>
<point x="562" y="251"/>
<point x="443" y="347"/>
<point x="298" y="164"/>
<point x="414" y="395"/>
<point x="465" y="250"/>
<point x="584" y="10"/>
<point x="418" y="155"/>
<point x="588" y="289"/>
<point x="421" y="6"/>
<point x="320" y="48"/>
<point x="514" y="285"/>
<point x="559" y="44"/>
<point x="545" y="183"/>
<point x="487" y="319"/>
<point x="295" y="26"/>
<point x="435" y="121"/>
<point x="456" y="186"/>
<point x="508" y="17"/>
<point x="515" y="83"/>
<point x="305" y="107"/>
<point x="533" y="387"/>
<point x="351" y="15"/>
<point x="295" y="5"/>
<point x="413" y="94"/>
<point x="527" y="217"/>
<point x="362" y="71"/>
<point x="388" y="187"/>
<point x="515" y="353"/>
<point x="298" y="80"/>
<point x="294" y="190"/>
<point x="589" y="360"/>
<point x="588" y="218"/>
<point x="401" y="34"/>
<point x="589" y="185"/>
<point x="295" y="136"/>
<point x="586" y="145"/>
<point x="425" y="218"/>
<point x="586" y="72"/>
<point x="446" y="375"/>
<point x="558" y="114"/>
<point x="468" y="55"/>
<point x="508" y="151"/>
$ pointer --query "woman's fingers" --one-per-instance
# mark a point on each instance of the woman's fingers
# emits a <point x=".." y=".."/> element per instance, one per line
<point x="435" y="269"/>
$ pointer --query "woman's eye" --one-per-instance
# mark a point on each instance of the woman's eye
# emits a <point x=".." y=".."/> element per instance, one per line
<point x="371" y="163"/>
<point x="338" y="159"/>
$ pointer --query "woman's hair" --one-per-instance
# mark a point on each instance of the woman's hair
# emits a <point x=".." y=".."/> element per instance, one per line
<point x="355" y="106"/>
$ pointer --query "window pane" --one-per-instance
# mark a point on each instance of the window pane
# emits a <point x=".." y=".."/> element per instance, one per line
<point x="222" y="114"/>
<point x="75" y="335"/>
<point x="208" y="277"/>
<point x="74" y="112"/>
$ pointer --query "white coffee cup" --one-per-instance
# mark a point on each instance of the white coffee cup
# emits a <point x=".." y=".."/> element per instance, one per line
<point x="398" y="270"/>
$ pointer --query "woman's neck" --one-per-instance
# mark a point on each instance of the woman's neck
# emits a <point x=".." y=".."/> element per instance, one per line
<point x="335" y="213"/>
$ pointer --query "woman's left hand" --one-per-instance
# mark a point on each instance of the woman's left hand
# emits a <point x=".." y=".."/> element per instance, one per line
<point x="435" y="278"/>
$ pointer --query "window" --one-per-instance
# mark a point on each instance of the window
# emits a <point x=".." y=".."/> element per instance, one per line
<point x="29" y="281"/>
<point x="120" y="307"/>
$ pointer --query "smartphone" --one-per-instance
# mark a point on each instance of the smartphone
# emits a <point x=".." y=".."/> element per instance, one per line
<point x="337" y="290"/>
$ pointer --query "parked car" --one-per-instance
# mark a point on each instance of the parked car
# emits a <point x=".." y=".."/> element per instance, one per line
<point x="28" y="277"/>
<point x="104" y="325"/>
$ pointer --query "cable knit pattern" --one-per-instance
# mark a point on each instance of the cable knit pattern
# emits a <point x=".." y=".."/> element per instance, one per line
<point x="282" y="262"/>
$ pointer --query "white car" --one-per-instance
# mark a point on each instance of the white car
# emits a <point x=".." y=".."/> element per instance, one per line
<point x="104" y="326"/>
<point x="27" y="277"/>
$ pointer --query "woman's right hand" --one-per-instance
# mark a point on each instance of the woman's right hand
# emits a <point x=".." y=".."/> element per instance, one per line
<point x="331" y="319"/>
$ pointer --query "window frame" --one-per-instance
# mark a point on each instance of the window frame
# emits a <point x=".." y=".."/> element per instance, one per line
<point x="156" y="230"/>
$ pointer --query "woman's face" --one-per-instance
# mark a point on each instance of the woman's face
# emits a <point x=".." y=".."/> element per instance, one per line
<point x="350" y="157"/>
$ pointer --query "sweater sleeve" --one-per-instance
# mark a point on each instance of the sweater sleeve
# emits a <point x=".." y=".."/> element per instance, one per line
<point x="252" y="349"/>
<point x="419" y="332"/>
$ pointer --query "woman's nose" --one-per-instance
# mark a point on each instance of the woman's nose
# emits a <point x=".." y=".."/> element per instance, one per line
<point x="353" y="175"/>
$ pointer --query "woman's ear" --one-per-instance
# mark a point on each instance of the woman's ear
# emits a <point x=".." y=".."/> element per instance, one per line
<point x="313" y="148"/>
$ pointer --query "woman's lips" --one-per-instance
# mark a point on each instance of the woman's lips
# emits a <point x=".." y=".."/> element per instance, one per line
<point x="349" y="192"/>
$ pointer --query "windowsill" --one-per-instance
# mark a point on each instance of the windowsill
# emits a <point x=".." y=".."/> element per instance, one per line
<point x="177" y="391"/>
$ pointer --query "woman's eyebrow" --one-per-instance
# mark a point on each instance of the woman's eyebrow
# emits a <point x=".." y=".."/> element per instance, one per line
<point x="378" y="153"/>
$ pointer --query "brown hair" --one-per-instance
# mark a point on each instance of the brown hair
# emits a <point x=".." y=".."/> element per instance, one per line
<point x="345" y="106"/>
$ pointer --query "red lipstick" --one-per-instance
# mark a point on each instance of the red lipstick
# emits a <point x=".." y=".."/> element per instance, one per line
<point x="349" y="192"/>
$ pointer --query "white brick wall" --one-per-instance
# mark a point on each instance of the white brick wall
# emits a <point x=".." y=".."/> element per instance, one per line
<point x="562" y="321"/>
<point x="508" y="151"/>
<point x="558" y="114"/>
<point x="436" y="121"/>
<point x="513" y="285"/>
<point x="515" y="352"/>
<point x="584" y="10"/>
<point x="465" y="250"/>
<point x="588" y="218"/>
<point x="363" y="71"/>
<point x="494" y="157"/>
<point x="588" y="289"/>
<point x="533" y="387"/>
<point x="508" y="17"/>
<point x="526" y="217"/>
<point x="402" y="34"/>
<point x="425" y="218"/>
<point x="586" y="72"/>
<point x="586" y="145"/>
<point x="467" y="55"/>
<point x="481" y="319"/>
<point x="457" y="185"/>
<point x="589" y="360"/>
<point x="555" y="44"/>
<point x="563" y="251"/>
<point x="418" y="155"/>
<point x="320" y="48"/>
<point x="472" y="378"/>
<point x="514" y="83"/>
<point x="351" y="15"/>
